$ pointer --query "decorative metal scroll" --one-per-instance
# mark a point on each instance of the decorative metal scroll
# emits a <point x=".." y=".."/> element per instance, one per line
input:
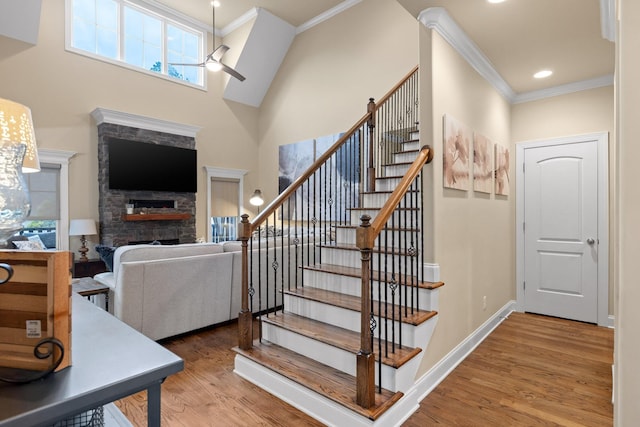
<point x="21" y="376"/>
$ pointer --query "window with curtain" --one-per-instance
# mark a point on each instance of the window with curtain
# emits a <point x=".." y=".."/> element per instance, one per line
<point x="224" y="209"/>
<point x="44" y="190"/>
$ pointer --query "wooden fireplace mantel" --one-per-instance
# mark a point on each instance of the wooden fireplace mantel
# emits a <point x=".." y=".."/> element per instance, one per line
<point x="156" y="217"/>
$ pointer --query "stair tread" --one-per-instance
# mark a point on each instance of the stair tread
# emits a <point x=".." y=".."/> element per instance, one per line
<point x="385" y="229"/>
<point x="386" y="191"/>
<point x="335" y="336"/>
<point x="373" y="209"/>
<point x="351" y="302"/>
<point x="357" y="272"/>
<point x="399" y="163"/>
<point x="351" y="247"/>
<point x="322" y="379"/>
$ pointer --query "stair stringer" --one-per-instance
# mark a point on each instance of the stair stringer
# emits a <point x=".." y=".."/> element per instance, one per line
<point x="319" y="407"/>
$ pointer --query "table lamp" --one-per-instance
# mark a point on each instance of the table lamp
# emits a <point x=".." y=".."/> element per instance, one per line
<point x="256" y="199"/>
<point x="83" y="228"/>
<point x="18" y="154"/>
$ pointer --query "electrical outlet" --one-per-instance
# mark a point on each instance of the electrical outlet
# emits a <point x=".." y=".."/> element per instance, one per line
<point x="484" y="302"/>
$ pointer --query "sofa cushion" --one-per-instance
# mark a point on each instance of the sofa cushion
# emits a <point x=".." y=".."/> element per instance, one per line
<point x="131" y="253"/>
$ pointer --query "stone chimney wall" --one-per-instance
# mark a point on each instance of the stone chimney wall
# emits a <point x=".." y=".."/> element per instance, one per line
<point x="114" y="230"/>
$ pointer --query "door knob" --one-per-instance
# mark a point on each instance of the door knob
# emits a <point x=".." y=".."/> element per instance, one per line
<point x="590" y="241"/>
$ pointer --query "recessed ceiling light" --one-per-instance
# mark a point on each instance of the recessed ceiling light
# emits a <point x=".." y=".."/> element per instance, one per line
<point x="542" y="74"/>
<point x="496" y="1"/>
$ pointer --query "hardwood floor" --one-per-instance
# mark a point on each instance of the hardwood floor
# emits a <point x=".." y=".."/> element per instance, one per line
<point x="532" y="370"/>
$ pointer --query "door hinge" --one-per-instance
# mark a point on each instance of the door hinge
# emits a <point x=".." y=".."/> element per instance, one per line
<point x="523" y="168"/>
<point x="523" y="227"/>
<point x="524" y="285"/>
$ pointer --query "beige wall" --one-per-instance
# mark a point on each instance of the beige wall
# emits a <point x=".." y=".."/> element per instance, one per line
<point x="62" y="89"/>
<point x="627" y="252"/>
<point x="573" y="114"/>
<point x="472" y="233"/>
<point x="330" y="73"/>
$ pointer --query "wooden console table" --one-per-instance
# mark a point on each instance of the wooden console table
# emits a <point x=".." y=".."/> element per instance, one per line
<point x="110" y="360"/>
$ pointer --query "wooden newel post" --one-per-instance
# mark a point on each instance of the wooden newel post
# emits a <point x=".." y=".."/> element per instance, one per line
<point x="371" y="173"/>
<point x="245" y="318"/>
<point x="365" y="360"/>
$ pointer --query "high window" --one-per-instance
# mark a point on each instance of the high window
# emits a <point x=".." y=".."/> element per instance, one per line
<point x="127" y="33"/>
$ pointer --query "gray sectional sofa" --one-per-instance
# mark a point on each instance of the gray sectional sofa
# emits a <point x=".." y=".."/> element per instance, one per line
<point x="164" y="291"/>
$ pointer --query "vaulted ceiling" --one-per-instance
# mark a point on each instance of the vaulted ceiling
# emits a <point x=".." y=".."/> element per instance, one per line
<point x="515" y="38"/>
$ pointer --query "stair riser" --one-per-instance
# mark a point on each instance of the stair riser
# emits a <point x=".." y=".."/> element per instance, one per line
<point x="427" y="298"/>
<point x="413" y="145"/>
<point x="349" y="319"/>
<point x="377" y="200"/>
<point x="396" y="170"/>
<point x="399" y="218"/>
<point x="347" y="236"/>
<point x="387" y="184"/>
<point x="403" y="157"/>
<point x="389" y="263"/>
<point x="335" y="357"/>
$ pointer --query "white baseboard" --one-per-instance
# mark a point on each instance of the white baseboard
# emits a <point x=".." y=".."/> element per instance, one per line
<point x="431" y="272"/>
<point x="429" y="381"/>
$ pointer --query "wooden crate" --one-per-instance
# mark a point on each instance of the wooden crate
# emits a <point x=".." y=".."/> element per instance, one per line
<point x="40" y="290"/>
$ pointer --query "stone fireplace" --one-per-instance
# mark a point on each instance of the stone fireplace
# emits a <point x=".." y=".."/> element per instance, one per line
<point x="168" y="217"/>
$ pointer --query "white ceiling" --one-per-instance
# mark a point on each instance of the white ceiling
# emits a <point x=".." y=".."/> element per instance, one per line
<point x="518" y="37"/>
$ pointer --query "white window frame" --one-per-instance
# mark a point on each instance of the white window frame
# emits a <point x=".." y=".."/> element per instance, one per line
<point x="215" y="172"/>
<point x="62" y="158"/>
<point x="153" y="8"/>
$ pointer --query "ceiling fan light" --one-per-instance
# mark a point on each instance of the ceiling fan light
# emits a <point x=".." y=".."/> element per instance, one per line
<point x="214" y="66"/>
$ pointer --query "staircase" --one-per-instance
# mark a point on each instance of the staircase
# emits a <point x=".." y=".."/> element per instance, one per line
<point x="344" y="314"/>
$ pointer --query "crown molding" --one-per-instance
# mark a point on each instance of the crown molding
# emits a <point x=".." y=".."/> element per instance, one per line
<point x="438" y="19"/>
<point x="608" y="19"/>
<point x="240" y="21"/>
<point x="327" y="15"/>
<point x="102" y="115"/>
<point x="564" y="89"/>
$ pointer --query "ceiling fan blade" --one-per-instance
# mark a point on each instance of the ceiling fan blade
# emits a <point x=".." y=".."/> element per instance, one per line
<point x="219" y="52"/>
<point x="232" y="72"/>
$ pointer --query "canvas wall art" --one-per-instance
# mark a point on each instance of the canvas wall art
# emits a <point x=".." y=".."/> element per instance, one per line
<point x="341" y="175"/>
<point x="482" y="163"/>
<point x="457" y="139"/>
<point x="294" y="159"/>
<point x="502" y="170"/>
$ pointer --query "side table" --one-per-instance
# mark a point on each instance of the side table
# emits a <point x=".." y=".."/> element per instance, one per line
<point x="88" y="268"/>
<point x="87" y="287"/>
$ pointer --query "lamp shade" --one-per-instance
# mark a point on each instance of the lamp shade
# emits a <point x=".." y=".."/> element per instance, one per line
<point x="256" y="198"/>
<point x="16" y="127"/>
<point x="82" y="227"/>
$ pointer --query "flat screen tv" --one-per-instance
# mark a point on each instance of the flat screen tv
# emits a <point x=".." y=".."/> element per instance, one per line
<point x="144" y="166"/>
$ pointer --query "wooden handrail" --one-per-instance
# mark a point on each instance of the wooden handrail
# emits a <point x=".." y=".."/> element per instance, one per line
<point x="282" y="197"/>
<point x="396" y="87"/>
<point x="366" y="235"/>
<point x="368" y="117"/>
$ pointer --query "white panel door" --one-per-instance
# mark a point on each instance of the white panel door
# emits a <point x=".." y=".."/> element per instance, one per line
<point x="561" y="230"/>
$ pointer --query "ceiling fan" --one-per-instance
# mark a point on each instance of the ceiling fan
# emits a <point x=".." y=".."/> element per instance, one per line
<point x="213" y="61"/>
